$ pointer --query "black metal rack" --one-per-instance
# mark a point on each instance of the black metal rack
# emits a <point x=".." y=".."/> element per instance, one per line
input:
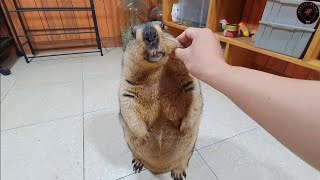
<point x="30" y="32"/>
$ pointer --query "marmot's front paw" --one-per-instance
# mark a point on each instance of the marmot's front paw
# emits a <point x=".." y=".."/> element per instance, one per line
<point x="178" y="174"/>
<point x="142" y="134"/>
<point x="137" y="166"/>
<point x="184" y="127"/>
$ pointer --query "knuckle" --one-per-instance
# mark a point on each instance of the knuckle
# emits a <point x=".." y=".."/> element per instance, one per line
<point x="215" y="36"/>
<point x="207" y="30"/>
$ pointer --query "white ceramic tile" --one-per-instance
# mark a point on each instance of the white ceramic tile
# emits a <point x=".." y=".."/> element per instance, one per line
<point x="100" y="93"/>
<point x="197" y="170"/>
<point x="14" y="62"/>
<point x="107" y="155"/>
<point x="256" y="155"/>
<point x="221" y="118"/>
<point x="25" y="106"/>
<point x="107" y="65"/>
<point x="50" y="71"/>
<point x="46" y="151"/>
<point x="7" y="83"/>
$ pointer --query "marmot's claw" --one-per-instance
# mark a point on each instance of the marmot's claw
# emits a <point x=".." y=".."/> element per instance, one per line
<point x="178" y="174"/>
<point x="137" y="166"/>
<point x="185" y="127"/>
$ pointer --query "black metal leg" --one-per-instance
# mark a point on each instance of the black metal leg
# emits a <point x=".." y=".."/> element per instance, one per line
<point x="14" y="31"/>
<point x="23" y="27"/>
<point x="5" y="72"/>
<point x="94" y="17"/>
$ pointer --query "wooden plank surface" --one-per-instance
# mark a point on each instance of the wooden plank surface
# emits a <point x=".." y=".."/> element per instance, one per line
<point x="313" y="51"/>
<point x="68" y="19"/>
<point x="82" y="18"/>
<point x="261" y="59"/>
<point x="101" y="18"/>
<point x="247" y="11"/>
<point x="296" y="71"/>
<point x="114" y="15"/>
<point x="32" y="20"/>
<point x="240" y="57"/>
<point x="106" y="11"/>
<point x="246" y="43"/>
<point x="252" y="19"/>
<point x="276" y="65"/>
<point x="109" y="21"/>
<point x="44" y="21"/>
<point x="54" y="19"/>
<point x="314" y="75"/>
<point x="230" y="10"/>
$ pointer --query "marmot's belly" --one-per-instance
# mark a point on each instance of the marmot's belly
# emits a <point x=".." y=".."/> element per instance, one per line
<point x="165" y="148"/>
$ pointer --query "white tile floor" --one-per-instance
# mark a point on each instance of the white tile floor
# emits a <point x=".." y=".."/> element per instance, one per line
<point x="59" y="120"/>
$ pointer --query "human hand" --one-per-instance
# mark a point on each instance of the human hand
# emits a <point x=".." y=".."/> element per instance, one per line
<point x="203" y="55"/>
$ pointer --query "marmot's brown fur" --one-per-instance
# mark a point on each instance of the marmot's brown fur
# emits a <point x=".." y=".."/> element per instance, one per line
<point x="160" y="103"/>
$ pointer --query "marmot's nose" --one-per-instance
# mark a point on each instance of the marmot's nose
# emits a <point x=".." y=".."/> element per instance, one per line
<point x="150" y="35"/>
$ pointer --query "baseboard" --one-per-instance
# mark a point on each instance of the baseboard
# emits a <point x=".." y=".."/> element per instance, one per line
<point x="81" y="44"/>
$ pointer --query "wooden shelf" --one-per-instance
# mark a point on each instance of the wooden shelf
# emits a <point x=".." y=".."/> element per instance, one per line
<point x="247" y="43"/>
<point x="175" y="25"/>
<point x="249" y="12"/>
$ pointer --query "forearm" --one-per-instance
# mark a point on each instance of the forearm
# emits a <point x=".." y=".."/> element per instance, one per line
<point x="287" y="108"/>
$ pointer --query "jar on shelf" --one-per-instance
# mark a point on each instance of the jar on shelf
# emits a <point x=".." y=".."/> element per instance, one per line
<point x="156" y="12"/>
<point x="131" y="13"/>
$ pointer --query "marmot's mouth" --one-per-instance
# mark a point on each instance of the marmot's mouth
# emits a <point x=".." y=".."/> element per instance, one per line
<point x="155" y="56"/>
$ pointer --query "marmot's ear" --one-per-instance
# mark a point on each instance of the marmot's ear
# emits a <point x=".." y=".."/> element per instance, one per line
<point x="133" y="32"/>
<point x="163" y="27"/>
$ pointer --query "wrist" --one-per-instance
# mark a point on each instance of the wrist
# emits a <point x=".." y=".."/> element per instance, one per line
<point x="216" y="76"/>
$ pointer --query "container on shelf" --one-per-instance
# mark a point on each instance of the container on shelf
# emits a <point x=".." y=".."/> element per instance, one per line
<point x="194" y="13"/>
<point x="131" y="13"/>
<point x="231" y="30"/>
<point x="281" y="31"/>
<point x="156" y="12"/>
<point x="176" y="13"/>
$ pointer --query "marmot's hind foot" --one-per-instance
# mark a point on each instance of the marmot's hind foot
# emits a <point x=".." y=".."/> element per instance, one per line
<point x="137" y="166"/>
<point x="178" y="174"/>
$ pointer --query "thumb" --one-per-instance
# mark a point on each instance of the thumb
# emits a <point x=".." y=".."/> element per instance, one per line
<point x="180" y="54"/>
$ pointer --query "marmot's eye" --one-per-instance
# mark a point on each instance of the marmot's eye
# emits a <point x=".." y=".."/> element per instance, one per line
<point x="163" y="27"/>
<point x="133" y="32"/>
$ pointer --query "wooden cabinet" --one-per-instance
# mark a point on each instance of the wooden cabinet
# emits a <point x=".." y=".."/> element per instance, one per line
<point x="250" y="12"/>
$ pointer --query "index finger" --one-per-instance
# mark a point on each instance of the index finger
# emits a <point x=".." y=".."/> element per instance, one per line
<point x="186" y="37"/>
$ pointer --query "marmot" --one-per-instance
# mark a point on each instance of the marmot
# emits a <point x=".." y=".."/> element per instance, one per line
<point x="160" y="103"/>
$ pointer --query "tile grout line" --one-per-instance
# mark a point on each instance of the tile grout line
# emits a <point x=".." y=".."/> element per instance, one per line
<point x="207" y="164"/>
<point x="217" y="143"/>
<point x="98" y="110"/>
<point x="18" y="77"/>
<point x="45" y="85"/>
<point x="130" y="174"/>
<point x="229" y="138"/>
<point x="15" y="81"/>
<point x="52" y="120"/>
<point x="83" y="158"/>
